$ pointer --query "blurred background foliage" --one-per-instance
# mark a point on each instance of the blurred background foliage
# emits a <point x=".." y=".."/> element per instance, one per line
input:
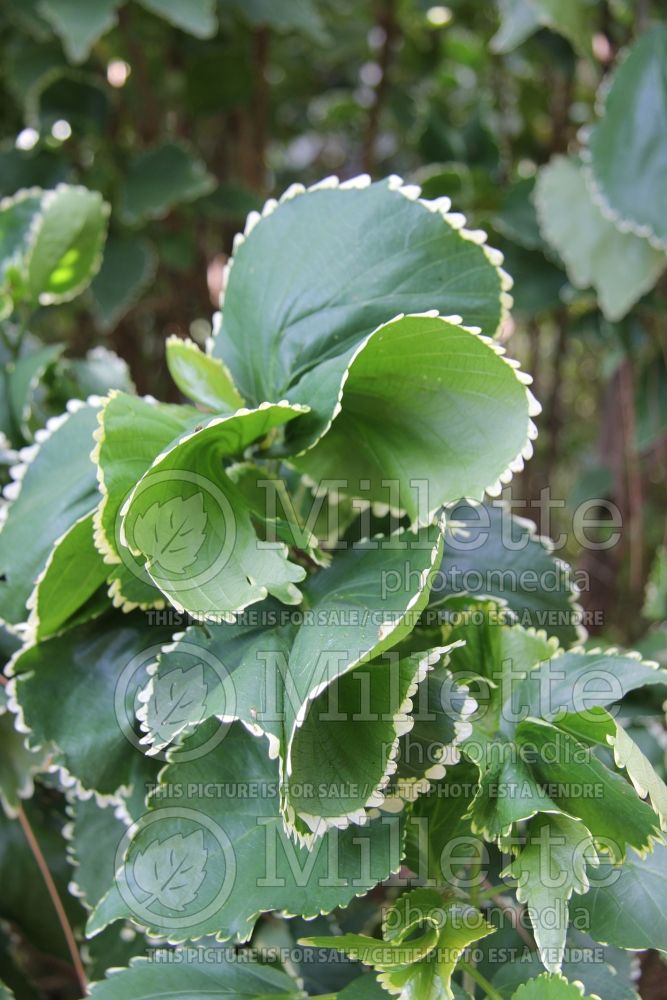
<point x="186" y="116"/>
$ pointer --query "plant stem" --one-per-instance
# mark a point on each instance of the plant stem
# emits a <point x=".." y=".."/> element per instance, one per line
<point x="387" y="21"/>
<point x="55" y="899"/>
<point x="470" y="970"/>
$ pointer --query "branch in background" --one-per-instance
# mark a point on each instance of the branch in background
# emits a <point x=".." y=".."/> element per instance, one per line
<point x="555" y="405"/>
<point x="260" y="104"/>
<point x="55" y="899"/>
<point x="388" y="23"/>
<point x="632" y="474"/>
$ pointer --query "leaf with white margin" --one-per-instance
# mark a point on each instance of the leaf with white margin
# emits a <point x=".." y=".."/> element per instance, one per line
<point x="252" y="866"/>
<point x="359" y="254"/>
<point x="133" y="588"/>
<point x="231" y="568"/>
<point x="93" y="832"/>
<point x="18" y="763"/>
<point x="615" y="815"/>
<point x="434" y="410"/>
<point x="52" y="489"/>
<point x="18" y="217"/>
<point x="177" y="701"/>
<point x="80" y="23"/>
<point x="270" y="667"/>
<point x="200" y="377"/>
<point x="197" y="979"/>
<point x="65" y="245"/>
<point x="549" y="867"/>
<point x="74" y="572"/>
<point x="415" y="967"/>
<point x="620" y="266"/>
<point x="131" y="432"/>
<point x="550" y="986"/>
<point x="93" y="673"/>
<point x="627" y="146"/>
<point x="625" y="906"/>
<point x="579" y="680"/>
<point x="492" y="553"/>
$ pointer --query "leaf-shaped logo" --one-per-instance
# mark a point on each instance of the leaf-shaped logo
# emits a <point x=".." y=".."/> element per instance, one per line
<point x="170" y="534"/>
<point x="178" y="701"/>
<point x="171" y="871"/>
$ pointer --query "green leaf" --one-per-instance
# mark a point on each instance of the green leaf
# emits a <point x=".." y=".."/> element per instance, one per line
<point x="285" y="314"/>
<point x="491" y="553"/>
<point x="94" y="833"/>
<point x="18" y="763"/>
<point x="201" y="378"/>
<point x="122" y="456"/>
<point x="434" y="412"/>
<point x="93" y="672"/>
<point x="550" y="986"/>
<point x="300" y="16"/>
<point x="613" y="813"/>
<point x="74" y="571"/>
<point x="579" y="681"/>
<point x="197" y="17"/>
<point x="55" y="489"/>
<point x="197" y="980"/>
<point x="521" y="18"/>
<point x="5" y="992"/>
<point x="641" y="772"/>
<point x="251" y="865"/>
<point x="628" y="146"/>
<point x="24" y="378"/>
<point x="550" y="866"/>
<point x="160" y="178"/>
<point x="421" y="967"/>
<point x="620" y="266"/>
<point x="186" y="494"/>
<point x="18" y="218"/>
<point x="64" y="249"/>
<point x="171" y="871"/>
<point x="271" y="669"/>
<point x="655" y="595"/>
<point x="80" y="23"/>
<point x="127" y="269"/>
<point x="625" y="906"/>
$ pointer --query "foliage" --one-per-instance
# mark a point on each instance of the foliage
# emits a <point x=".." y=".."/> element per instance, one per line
<point x="294" y="702"/>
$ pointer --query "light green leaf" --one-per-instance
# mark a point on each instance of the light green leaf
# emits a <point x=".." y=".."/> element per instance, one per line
<point x="56" y="487"/>
<point x="550" y="986"/>
<point x="18" y="218"/>
<point x="132" y="431"/>
<point x="625" y="906"/>
<point x="655" y="595"/>
<point x="620" y="266"/>
<point x="614" y="814"/>
<point x="251" y="864"/>
<point x="421" y="967"/>
<point x="127" y="269"/>
<point x="191" y="471"/>
<point x="628" y="145"/>
<point x="550" y="866"/>
<point x="426" y="402"/>
<point x="641" y="772"/>
<point x="491" y="553"/>
<point x="64" y="249"/>
<point x="92" y="672"/>
<point x="201" y="378"/>
<point x="80" y="23"/>
<point x="197" y="980"/>
<point x="520" y="20"/>
<point x="74" y="571"/>
<point x="197" y="17"/>
<point x="160" y="178"/>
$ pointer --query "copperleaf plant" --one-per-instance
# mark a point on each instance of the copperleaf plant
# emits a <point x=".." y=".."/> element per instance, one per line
<point x="274" y="659"/>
